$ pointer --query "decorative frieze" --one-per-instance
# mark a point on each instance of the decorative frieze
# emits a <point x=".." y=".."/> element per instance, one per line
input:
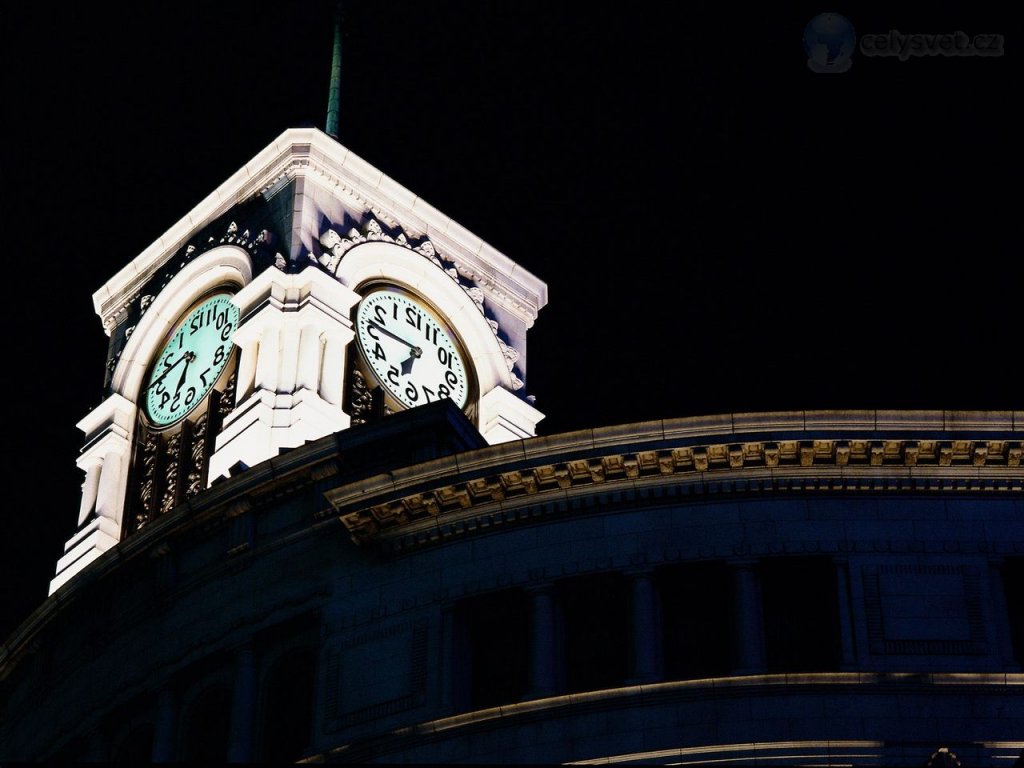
<point x="821" y="465"/>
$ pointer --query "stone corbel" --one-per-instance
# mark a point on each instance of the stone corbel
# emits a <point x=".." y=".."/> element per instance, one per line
<point x="505" y="416"/>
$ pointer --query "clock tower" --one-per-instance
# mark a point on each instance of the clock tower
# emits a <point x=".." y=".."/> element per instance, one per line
<point x="308" y="294"/>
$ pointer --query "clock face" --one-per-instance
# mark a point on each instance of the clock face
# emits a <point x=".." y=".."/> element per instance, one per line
<point x="189" y="364"/>
<point x="411" y="351"/>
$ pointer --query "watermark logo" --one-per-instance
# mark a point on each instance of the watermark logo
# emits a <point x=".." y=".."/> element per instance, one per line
<point x="829" y="42"/>
<point x="894" y="43"/>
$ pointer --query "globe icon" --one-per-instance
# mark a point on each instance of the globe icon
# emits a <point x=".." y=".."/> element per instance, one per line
<point x="829" y="42"/>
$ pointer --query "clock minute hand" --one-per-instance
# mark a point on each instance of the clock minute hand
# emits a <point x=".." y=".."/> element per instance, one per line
<point x="416" y="351"/>
<point x="167" y="370"/>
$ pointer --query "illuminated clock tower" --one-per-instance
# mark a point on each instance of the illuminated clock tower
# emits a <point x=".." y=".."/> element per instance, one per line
<point x="308" y="294"/>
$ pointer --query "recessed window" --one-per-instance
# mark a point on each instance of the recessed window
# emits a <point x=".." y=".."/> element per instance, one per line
<point x="801" y="614"/>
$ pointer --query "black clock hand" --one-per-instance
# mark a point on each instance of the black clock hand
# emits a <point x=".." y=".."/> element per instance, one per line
<point x="168" y="369"/>
<point x="189" y="357"/>
<point x="416" y="351"/>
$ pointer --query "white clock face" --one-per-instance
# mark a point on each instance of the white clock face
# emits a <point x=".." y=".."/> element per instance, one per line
<point x="190" y="363"/>
<point x="411" y="351"/>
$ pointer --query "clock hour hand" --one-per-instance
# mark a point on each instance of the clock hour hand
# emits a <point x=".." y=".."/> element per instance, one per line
<point x="407" y="363"/>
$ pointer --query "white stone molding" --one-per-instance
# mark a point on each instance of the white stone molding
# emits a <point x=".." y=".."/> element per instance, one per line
<point x="293" y="338"/>
<point x="505" y="417"/>
<point x="105" y="460"/>
<point x="309" y="154"/>
<point x="226" y="265"/>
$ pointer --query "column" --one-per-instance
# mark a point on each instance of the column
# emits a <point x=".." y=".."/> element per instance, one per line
<point x="749" y="618"/>
<point x="543" y="645"/>
<point x="268" y="359"/>
<point x="166" y="727"/>
<point x="90" y="489"/>
<point x="646" y="629"/>
<point x="332" y="372"/>
<point x="246" y="381"/>
<point x="453" y="667"/>
<point x="296" y="391"/>
<point x="243" y="707"/>
<point x="999" y="610"/>
<point x="110" y="491"/>
<point x="848" y="658"/>
<point x="309" y="359"/>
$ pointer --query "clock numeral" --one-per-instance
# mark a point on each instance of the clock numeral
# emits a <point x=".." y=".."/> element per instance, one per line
<point x="428" y="392"/>
<point x="190" y="396"/>
<point x="393" y="375"/>
<point x="444" y="357"/>
<point x="218" y="356"/>
<point x="378" y="352"/>
<point x="394" y="310"/>
<point x="165" y="396"/>
<point x="413" y="318"/>
<point x="381" y="314"/>
<point x="411" y="393"/>
<point x="202" y="377"/>
<point x="443" y="391"/>
<point x="176" y="402"/>
<point x="451" y="378"/>
<point x="225" y="334"/>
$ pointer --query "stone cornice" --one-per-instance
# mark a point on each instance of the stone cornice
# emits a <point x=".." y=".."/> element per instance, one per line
<point x="822" y="451"/>
<point x="310" y="153"/>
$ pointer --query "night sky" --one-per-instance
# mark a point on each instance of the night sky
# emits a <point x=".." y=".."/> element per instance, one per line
<point x="720" y="229"/>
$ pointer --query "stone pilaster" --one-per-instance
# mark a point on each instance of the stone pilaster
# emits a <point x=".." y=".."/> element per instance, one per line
<point x="292" y="340"/>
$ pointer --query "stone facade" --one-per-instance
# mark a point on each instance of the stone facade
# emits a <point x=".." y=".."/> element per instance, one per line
<point x="815" y="588"/>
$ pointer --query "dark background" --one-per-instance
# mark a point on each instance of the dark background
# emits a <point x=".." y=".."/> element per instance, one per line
<point x="721" y="229"/>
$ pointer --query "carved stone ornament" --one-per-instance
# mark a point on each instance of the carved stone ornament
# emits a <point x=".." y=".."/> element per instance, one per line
<point x="335" y="247"/>
<point x="170" y="473"/>
<point x="149" y="456"/>
<point x="227" y="397"/>
<point x="195" y="476"/>
<point x="360" y="398"/>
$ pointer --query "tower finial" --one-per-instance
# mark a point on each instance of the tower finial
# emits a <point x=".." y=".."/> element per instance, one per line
<point x="334" y="97"/>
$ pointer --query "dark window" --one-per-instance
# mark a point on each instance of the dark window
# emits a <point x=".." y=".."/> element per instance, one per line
<point x="496" y="646"/>
<point x="1013" y="588"/>
<point x="288" y="706"/>
<point x="206" y="727"/>
<point x="801" y="614"/>
<point x="137" y="746"/>
<point x="697" y="620"/>
<point x="596" y="616"/>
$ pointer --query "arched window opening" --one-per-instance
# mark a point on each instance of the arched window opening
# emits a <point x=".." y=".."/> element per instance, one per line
<point x="206" y="725"/>
<point x="289" y="692"/>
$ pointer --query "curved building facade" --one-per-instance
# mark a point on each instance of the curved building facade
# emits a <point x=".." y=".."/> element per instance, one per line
<point x="317" y="524"/>
<point x="808" y="588"/>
